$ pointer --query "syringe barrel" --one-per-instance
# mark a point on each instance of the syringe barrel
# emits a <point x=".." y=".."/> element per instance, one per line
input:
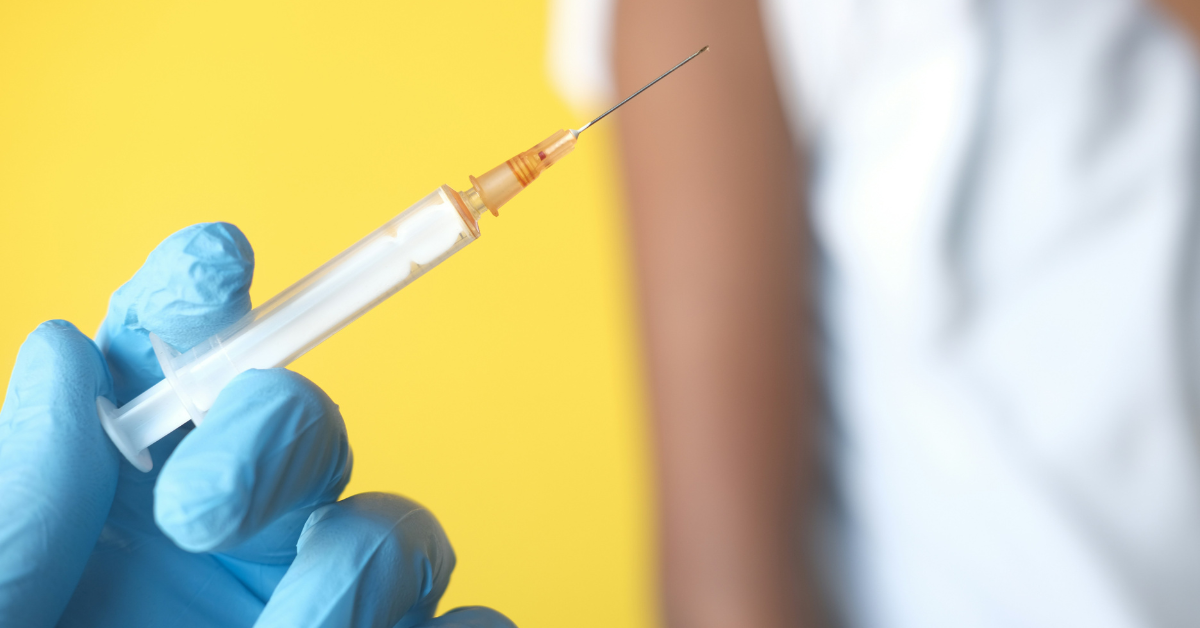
<point x="299" y="318"/>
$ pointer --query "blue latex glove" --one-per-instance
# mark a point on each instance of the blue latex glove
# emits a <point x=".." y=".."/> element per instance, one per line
<point x="238" y="524"/>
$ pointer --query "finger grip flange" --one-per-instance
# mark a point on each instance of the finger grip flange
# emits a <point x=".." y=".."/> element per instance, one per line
<point x="139" y="458"/>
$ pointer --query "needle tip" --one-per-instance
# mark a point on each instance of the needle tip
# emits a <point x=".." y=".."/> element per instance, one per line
<point x="575" y="132"/>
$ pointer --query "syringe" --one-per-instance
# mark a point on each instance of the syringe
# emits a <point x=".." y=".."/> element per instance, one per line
<point x="286" y="327"/>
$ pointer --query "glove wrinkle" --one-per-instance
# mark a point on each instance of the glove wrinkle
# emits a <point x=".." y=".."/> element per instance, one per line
<point x="194" y="284"/>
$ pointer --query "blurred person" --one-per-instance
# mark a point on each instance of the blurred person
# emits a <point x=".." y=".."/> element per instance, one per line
<point x="992" y="205"/>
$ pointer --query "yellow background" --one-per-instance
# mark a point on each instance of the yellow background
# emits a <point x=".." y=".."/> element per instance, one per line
<point x="501" y="390"/>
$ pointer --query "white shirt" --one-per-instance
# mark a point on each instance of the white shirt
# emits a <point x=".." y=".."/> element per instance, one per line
<point x="1003" y="196"/>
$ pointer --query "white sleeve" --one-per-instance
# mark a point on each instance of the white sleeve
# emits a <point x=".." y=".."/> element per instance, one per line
<point x="580" y="46"/>
<point x="579" y="51"/>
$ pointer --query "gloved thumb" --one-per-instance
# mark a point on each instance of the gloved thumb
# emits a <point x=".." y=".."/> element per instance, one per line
<point x="58" y="473"/>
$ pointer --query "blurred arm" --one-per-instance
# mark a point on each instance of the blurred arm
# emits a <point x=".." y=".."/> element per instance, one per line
<point x="719" y="239"/>
<point x="1187" y="13"/>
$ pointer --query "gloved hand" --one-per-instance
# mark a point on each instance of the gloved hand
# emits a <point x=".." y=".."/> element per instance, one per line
<point x="238" y="523"/>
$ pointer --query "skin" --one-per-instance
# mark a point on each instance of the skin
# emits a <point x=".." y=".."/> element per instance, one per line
<point x="1186" y="13"/>
<point x="720" y="241"/>
<point x="714" y="183"/>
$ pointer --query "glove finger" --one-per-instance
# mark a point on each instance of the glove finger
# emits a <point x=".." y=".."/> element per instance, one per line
<point x="470" y="617"/>
<point x="272" y="448"/>
<point x="58" y="470"/>
<point x="194" y="284"/>
<point x="372" y="560"/>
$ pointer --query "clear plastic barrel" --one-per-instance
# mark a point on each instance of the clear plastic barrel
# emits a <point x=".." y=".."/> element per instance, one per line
<point x="286" y="327"/>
